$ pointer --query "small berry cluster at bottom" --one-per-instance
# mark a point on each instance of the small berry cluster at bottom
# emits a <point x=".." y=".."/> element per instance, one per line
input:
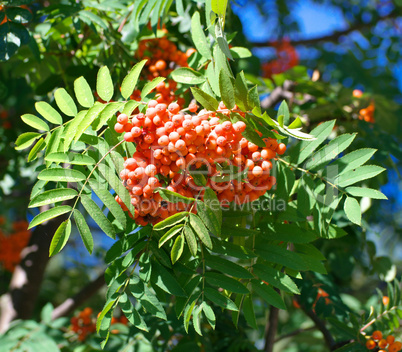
<point x="84" y="323"/>
<point x="381" y="344"/>
<point x="11" y="244"/>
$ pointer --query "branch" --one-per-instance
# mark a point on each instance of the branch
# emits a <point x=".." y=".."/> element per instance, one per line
<point x="284" y="92"/>
<point x="70" y="304"/>
<point x="329" y="340"/>
<point x="271" y="328"/>
<point x="294" y="333"/>
<point x="334" y="37"/>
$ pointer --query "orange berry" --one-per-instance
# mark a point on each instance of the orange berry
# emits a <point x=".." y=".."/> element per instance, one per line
<point x="385" y="300"/>
<point x="390" y="339"/>
<point x="174" y="108"/>
<point x="395" y="347"/>
<point x="370" y="344"/>
<point x="122" y="119"/>
<point x="382" y="343"/>
<point x="119" y="128"/>
<point x="163" y="141"/>
<point x="377" y="335"/>
<point x="281" y="148"/>
<point x="160" y="65"/>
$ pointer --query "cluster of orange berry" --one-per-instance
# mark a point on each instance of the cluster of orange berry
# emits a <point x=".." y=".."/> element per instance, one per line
<point x="11" y="244"/>
<point x="287" y="58"/>
<point x="170" y="145"/>
<point x="165" y="93"/>
<point x="163" y="56"/>
<point x="383" y="345"/>
<point x="84" y="323"/>
<point x="366" y="114"/>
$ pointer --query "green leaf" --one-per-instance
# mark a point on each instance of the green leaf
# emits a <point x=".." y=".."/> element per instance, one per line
<point x="329" y="152"/>
<point x="253" y="99"/>
<point x="361" y="173"/>
<point x="52" y="196"/>
<point x="109" y="201"/>
<point x="162" y="278"/>
<point x="88" y="16"/>
<point x="107" y="307"/>
<point x="60" y="237"/>
<point x="305" y="148"/>
<point x="84" y="230"/>
<point x="115" y="183"/>
<point x="150" y="86"/>
<point x="83" y="92"/>
<point x="352" y="210"/>
<point x="179" y="8"/>
<point x="241" y="92"/>
<point x="146" y="298"/>
<point x="49" y="214"/>
<point x="98" y="216"/>
<point x="209" y="314"/>
<point x="227" y="91"/>
<point x="33" y="154"/>
<point x="173" y="197"/>
<point x="200" y="229"/>
<point x="104" y="84"/>
<point x="219" y="7"/>
<point x="170" y="221"/>
<point x="228" y="267"/>
<point x="54" y="141"/>
<point x="90" y="117"/>
<point x="130" y="81"/>
<point x="177" y="249"/>
<point x="289" y="233"/>
<point x="191" y="240"/>
<point x="133" y="316"/>
<point x="61" y="175"/>
<point x="170" y="234"/>
<point x="130" y="106"/>
<point x="70" y="158"/>
<point x="240" y="52"/>
<point x="208" y="102"/>
<point x="275" y="278"/>
<point x="268" y="294"/>
<point x="225" y="282"/>
<point x="106" y="114"/>
<point x="219" y="299"/>
<point x="187" y="75"/>
<point x="35" y="122"/>
<point x="187" y="314"/>
<point x="297" y="123"/>
<point x="48" y="112"/>
<point x="284" y="111"/>
<point x="199" y="38"/>
<point x="222" y="42"/>
<point x="365" y="192"/>
<point x="25" y="140"/>
<point x="279" y="255"/>
<point x="65" y="102"/>
<point x="352" y="160"/>
<point x="210" y="211"/>
<point x="197" y="320"/>
<point x="248" y="311"/>
<point x="250" y="133"/>
<point x="71" y="129"/>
